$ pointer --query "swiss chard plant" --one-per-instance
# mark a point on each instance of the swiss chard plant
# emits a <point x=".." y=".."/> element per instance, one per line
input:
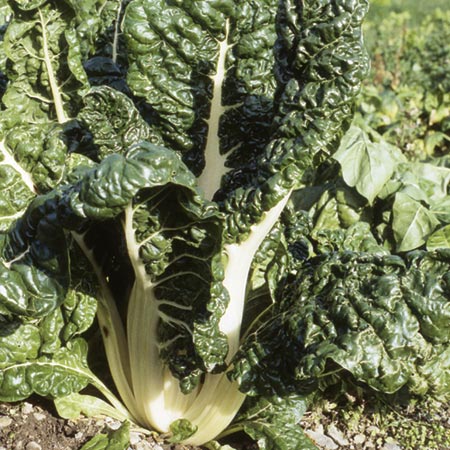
<point x="168" y="177"/>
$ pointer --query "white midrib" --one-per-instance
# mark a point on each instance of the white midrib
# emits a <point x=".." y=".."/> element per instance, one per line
<point x="240" y="257"/>
<point x="8" y="160"/>
<point x="210" y="179"/>
<point x="157" y="392"/>
<point x="219" y="399"/>
<point x="56" y="93"/>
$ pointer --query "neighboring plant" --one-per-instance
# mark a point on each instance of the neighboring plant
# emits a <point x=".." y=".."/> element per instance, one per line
<point x="167" y="167"/>
<point x="406" y="98"/>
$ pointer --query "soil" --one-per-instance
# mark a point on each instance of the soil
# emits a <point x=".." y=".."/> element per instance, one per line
<point x="34" y="425"/>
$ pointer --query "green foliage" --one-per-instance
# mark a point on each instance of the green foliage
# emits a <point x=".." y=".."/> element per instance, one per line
<point x="175" y="176"/>
<point x="113" y="440"/>
<point x="406" y="98"/>
<point x="273" y="422"/>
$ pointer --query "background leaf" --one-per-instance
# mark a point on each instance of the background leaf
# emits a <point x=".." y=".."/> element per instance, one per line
<point x="366" y="165"/>
<point x="412" y="222"/>
<point x="439" y="239"/>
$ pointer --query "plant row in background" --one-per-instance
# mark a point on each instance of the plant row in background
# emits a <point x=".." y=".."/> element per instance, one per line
<point x="188" y="178"/>
<point x="406" y="97"/>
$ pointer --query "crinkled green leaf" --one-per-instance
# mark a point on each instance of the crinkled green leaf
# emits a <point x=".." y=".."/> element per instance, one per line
<point x="5" y="17"/>
<point x="274" y="423"/>
<point x="243" y="86"/>
<point x="338" y="218"/>
<point x="32" y="160"/>
<point x="34" y="263"/>
<point x="19" y="343"/>
<point x="45" y="45"/>
<point x="17" y="189"/>
<point x="54" y="376"/>
<point x="379" y="317"/>
<point x="78" y="312"/>
<point x="114" y="121"/>
<point x="192" y="300"/>
<point x="265" y="273"/>
<point x="366" y="165"/>
<point x="412" y="222"/>
<point x="38" y="64"/>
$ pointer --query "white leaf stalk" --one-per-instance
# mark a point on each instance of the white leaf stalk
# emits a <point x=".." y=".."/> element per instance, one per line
<point x="149" y="390"/>
<point x="7" y="159"/>
<point x="144" y="382"/>
<point x="56" y="92"/>
<point x="210" y="179"/>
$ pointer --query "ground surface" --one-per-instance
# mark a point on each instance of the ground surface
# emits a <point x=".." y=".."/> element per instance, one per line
<point x="33" y="425"/>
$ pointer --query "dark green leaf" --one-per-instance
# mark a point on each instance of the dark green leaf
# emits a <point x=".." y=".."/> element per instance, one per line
<point x="381" y="318"/>
<point x="114" y="121"/>
<point x="54" y="376"/>
<point x="274" y="423"/>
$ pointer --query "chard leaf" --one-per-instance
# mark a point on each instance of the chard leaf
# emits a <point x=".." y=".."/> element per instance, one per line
<point x="159" y="242"/>
<point x="37" y="62"/>
<point x="378" y="317"/>
<point x="32" y="160"/>
<point x="17" y="188"/>
<point x="274" y="423"/>
<point x="366" y="165"/>
<point x="32" y="370"/>
<point x="44" y="45"/>
<point x="74" y="405"/>
<point x="239" y="91"/>
<point x="61" y="374"/>
<point x="267" y="265"/>
<point x="412" y="223"/>
<point x="13" y="335"/>
<point x="5" y="17"/>
<point x="114" y="121"/>
<point x="33" y="264"/>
